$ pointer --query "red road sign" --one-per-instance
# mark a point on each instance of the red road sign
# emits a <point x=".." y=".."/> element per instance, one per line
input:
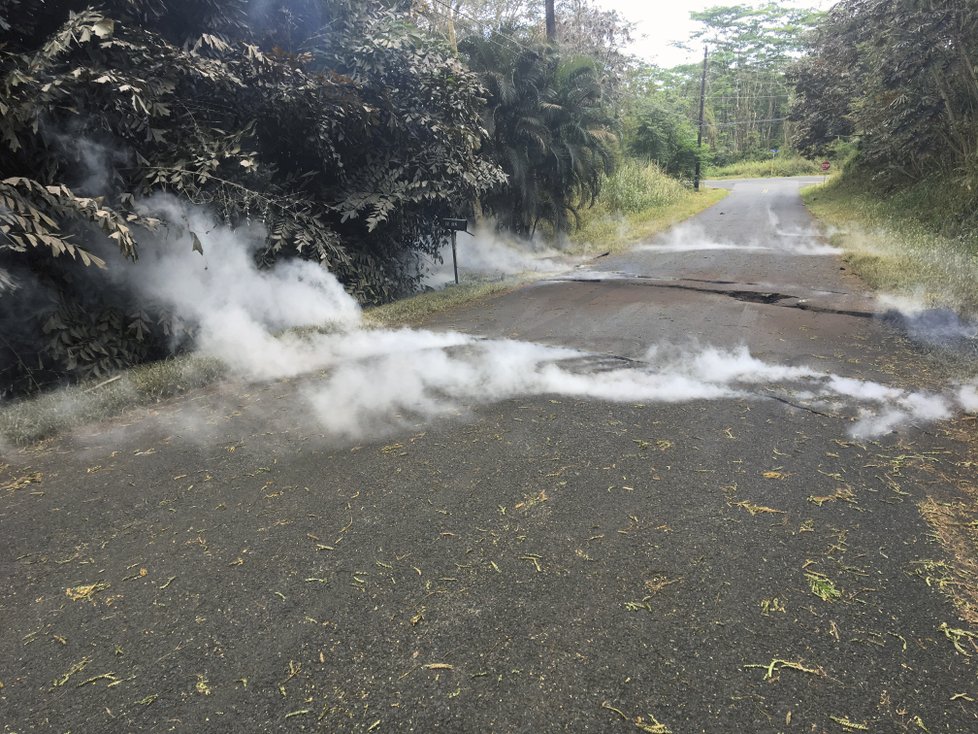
<point x="826" y="165"/>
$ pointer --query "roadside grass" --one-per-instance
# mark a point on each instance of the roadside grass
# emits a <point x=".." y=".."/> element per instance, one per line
<point x="773" y="167"/>
<point x="414" y="309"/>
<point x="637" y="203"/>
<point x="919" y="243"/>
<point x="33" y="419"/>
<point x="955" y="526"/>
<point x="952" y="517"/>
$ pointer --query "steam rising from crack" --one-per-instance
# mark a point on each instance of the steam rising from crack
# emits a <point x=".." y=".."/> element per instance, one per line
<point x="928" y="324"/>
<point x="220" y="297"/>
<point x="397" y="387"/>
<point x="363" y="383"/>
<point x="693" y="238"/>
<point x="487" y="253"/>
<point x="968" y="397"/>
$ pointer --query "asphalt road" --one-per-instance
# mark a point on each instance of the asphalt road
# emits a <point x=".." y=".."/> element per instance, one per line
<point x="538" y="564"/>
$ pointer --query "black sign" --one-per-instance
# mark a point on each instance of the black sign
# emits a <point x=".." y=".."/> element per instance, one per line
<point x="459" y="225"/>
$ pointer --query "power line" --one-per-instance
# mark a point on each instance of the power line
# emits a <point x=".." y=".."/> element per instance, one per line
<point x="745" y="96"/>
<point x="748" y="122"/>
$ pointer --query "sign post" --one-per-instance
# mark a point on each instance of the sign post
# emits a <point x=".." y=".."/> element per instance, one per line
<point x="456" y="226"/>
<point x="825" y="171"/>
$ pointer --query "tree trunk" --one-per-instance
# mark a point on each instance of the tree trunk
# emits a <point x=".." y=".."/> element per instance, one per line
<point x="551" y="22"/>
<point x="452" y="38"/>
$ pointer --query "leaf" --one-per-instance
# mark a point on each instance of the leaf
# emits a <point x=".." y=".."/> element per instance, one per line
<point x="197" y="247"/>
<point x="104" y="28"/>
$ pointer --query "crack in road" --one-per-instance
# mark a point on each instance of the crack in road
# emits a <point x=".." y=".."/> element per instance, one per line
<point x="768" y="298"/>
<point x="793" y="404"/>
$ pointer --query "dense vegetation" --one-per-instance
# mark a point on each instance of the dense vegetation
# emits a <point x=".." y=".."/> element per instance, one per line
<point x="898" y="78"/>
<point x="748" y="90"/>
<point x="894" y="83"/>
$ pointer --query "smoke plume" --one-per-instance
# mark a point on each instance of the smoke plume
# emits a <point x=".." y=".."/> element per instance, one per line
<point x="490" y="253"/>
<point x="374" y="381"/>
<point x="693" y="238"/>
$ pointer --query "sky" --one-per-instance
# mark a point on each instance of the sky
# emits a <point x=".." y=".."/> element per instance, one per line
<point x="664" y="22"/>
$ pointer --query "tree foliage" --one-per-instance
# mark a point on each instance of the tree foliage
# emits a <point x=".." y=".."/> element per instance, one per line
<point x="748" y="92"/>
<point x="657" y="123"/>
<point x="900" y="77"/>
<point x="584" y="29"/>
<point x="346" y="129"/>
<point x="347" y="143"/>
<point x="550" y="130"/>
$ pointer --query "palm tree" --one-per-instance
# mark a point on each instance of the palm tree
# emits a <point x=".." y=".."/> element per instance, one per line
<point x="549" y="130"/>
<point x="583" y="150"/>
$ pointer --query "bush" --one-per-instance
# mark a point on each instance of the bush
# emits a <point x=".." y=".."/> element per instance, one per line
<point x="780" y="166"/>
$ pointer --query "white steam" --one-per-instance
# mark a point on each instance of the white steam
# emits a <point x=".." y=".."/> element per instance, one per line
<point x="693" y="238"/>
<point x="234" y="307"/>
<point x="909" y="304"/>
<point x="415" y="378"/>
<point x="926" y="323"/>
<point x="375" y="381"/>
<point x="968" y="398"/>
<point x="487" y="252"/>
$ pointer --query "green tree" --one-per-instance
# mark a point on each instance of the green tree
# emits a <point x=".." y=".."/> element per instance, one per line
<point x="349" y="155"/>
<point x="656" y="122"/>
<point x="751" y="49"/>
<point x="549" y="130"/>
<point x="900" y="76"/>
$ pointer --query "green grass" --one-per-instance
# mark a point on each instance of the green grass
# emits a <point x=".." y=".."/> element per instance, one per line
<point x="774" y="167"/>
<point x="415" y="309"/>
<point x="638" y="202"/>
<point x="637" y="186"/>
<point x="919" y="242"/>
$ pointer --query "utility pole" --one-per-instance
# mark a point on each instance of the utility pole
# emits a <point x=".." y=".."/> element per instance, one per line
<point x="551" y="22"/>
<point x="699" y="134"/>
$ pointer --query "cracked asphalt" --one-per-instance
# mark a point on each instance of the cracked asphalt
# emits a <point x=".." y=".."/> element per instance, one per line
<point x="541" y="564"/>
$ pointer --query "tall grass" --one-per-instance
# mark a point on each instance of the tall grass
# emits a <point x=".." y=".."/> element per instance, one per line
<point x="919" y="241"/>
<point x="637" y="202"/>
<point x="637" y="186"/>
<point x="775" y="167"/>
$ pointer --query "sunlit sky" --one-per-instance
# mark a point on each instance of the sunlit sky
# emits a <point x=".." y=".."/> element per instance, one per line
<point x="663" y="22"/>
